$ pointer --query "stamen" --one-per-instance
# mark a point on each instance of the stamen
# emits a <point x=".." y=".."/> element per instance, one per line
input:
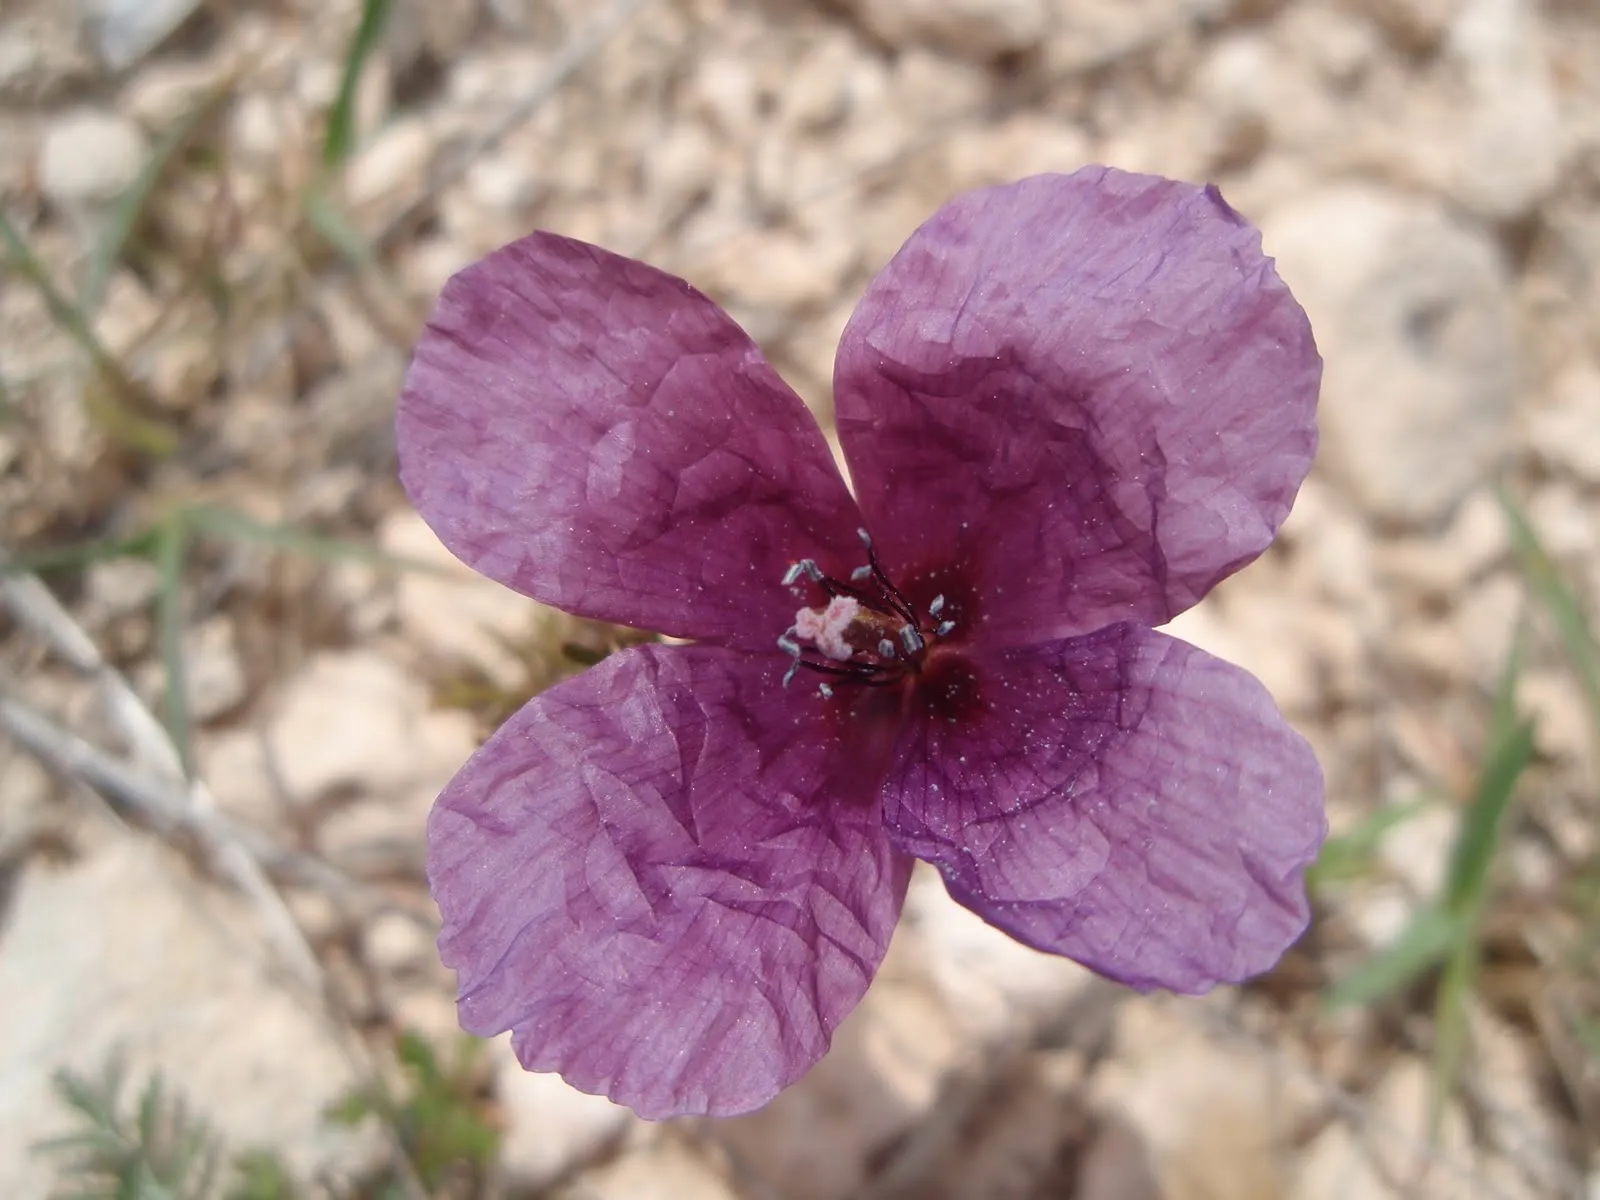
<point x="945" y="628"/>
<point x="789" y="646"/>
<point x="937" y="606"/>
<point x="827" y="692"/>
<point x="885" y="649"/>
<point x="866" y="538"/>
<point x="789" y="674"/>
<point x="792" y="575"/>
<point x="861" y="573"/>
<point x="910" y="639"/>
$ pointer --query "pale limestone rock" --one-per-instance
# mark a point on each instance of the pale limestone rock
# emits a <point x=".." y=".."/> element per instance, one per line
<point x="1485" y="625"/>
<point x="1018" y="145"/>
<point x="1417" y="849"/>
<point x="1336" y="1166"/>
<point x="167" y="90"/>
<point x="237" y="766"/>
<point x="1442" y="567"/>
<point x="1566" y="433"/>
<point x="214" y="679"/>
<point x="395" y="943"/>
<point x="1415" y="24"/>
<point x="124" y="31"/>
<point x="384" y="173"/>
<point x="124" y="952"/>
<point x="1399" y="1128"/>
<point x="880" y="1077"/>
<point x="1264" y="634"/>
<point x="349" y="721"/>
<point x="1517" y="1115"/>
<point x="1412" y="315"/>
<point x="1379" y="913"/>
<point x="1512" y="147"/>
<point x="89" y="157"/>
<point x="1566" y="521"/>
<point x="682" y="165"/>
<point x="549" y="1125"/>
<point x="667" y="1169"/>
<point x="987" y="980"/>
<point x="779" y="270"/>
<point x="826" y="84"/>
<point x="505" y="184"/>
<point x="119" y="587"/>
<point x="1215" y="1117"/>
<point x="1560" y="713"/>
<point x="970" y="29"/>
<point x="454" y="615"/>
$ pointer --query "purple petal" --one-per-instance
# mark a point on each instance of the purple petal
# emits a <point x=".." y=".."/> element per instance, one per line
<point x="660" y="876"/>
<point x="600" y="436"/>
<point x="1124" y="799"/>
<point x="1091" y="393"/>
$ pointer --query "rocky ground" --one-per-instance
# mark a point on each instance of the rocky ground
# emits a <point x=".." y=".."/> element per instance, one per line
<point x="204" y="316"/>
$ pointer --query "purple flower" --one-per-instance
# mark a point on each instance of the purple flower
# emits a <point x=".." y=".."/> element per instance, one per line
<point x="1070" y="406"/>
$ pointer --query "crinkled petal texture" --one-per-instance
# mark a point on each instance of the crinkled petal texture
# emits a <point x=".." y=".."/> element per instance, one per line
<point x="661" y="878"/>
<point x="1090" y="392"/>
<point x="598" y="435"/>
<point x="1124" y="799"/>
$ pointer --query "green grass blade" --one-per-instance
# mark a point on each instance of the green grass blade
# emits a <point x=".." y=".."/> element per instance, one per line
<point x="1510" y="748"/>
<point x="130" y="206"/>
<point x="330" y="222"/>
<point x="340" y="136"/>
<point x="118" y="414"/>
<point x="172" y="550"/>
<point x="79" y="554"/>
<point x="1425" y="943"/>
<point x="1560" y="602"/>
<point x="230" y="525"/>
<point x="1351" y="856"/>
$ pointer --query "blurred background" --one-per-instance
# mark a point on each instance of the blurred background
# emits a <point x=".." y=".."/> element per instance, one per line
<point x="235" y="668"/>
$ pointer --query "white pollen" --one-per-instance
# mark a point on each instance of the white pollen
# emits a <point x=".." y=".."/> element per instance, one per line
<point x="860" y="573"/>
<point x="827" y="692"/>
<point x="937" y="606"/>
<point x="825" y="628"/>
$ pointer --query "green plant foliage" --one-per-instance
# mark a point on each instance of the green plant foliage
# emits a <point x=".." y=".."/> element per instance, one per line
<point x="439" y="1119"/>
<point x="158" y="1150"/>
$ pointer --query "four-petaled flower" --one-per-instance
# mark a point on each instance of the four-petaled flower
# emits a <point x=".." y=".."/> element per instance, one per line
<point x="1070" y="406"/>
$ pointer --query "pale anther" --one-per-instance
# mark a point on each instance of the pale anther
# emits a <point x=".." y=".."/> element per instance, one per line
<point x="826" y="691"/>
<point x="861" y="573"/>
<point x="885" y="649"/>
<point x="937" y="606"/>
<point x="792" y="575"/>
<point x="866" y="538"/>
<point x="789" y="646"/>
<point x="909" y="639"/>
<point x="789" y="674"/>
<point x="945" y="627"/>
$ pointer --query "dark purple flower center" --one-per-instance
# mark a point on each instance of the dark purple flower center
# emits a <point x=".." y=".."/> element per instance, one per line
<point x="868" y="633"/>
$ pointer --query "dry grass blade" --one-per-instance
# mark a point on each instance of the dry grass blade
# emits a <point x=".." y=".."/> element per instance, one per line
<point x="571" y="57"/>
<point x="1561" y="603"/>
<point x="130" y="206"/>
<point x="33" y="605"/>
<point x="121" y="412"/>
